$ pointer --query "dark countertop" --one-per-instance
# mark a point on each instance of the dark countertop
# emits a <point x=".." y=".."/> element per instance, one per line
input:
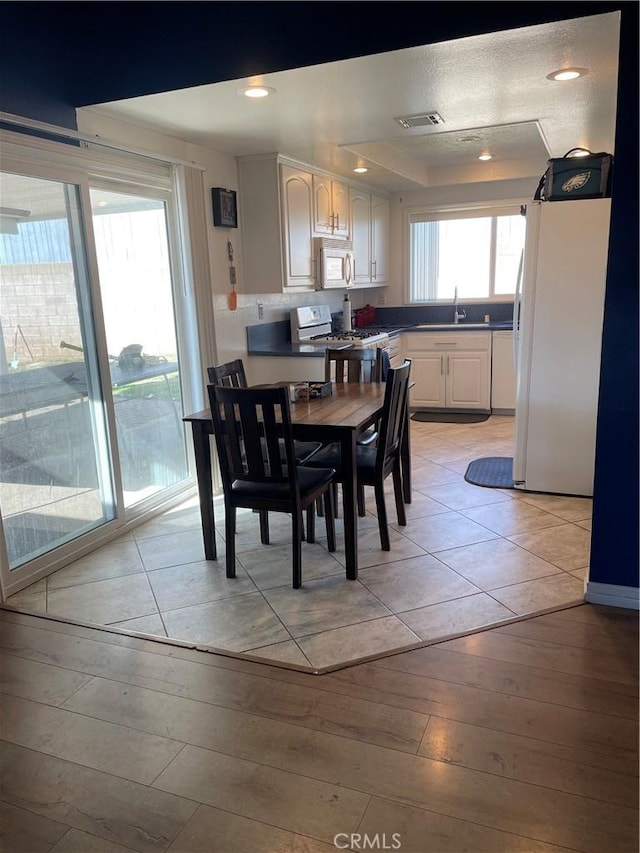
<point x="498" y="325"/>
<point x="287" y="349"/>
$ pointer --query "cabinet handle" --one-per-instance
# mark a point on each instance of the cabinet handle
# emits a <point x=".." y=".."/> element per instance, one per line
<point x="447" y="357"/>
<point x="374" y="265"/>
<point x="441" y="365"/>
<point x="337" y="221"/>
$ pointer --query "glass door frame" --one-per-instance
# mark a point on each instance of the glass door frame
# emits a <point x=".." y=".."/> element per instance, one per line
<point x="183" y="329"/>
<point x="50" y="161"/>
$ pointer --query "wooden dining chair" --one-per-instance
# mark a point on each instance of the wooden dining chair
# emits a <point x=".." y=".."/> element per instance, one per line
<point x="355" y="365"/>
<point x="251" y="427"/>
<point x="375" y="464"/>
<point x="231" y="374"/>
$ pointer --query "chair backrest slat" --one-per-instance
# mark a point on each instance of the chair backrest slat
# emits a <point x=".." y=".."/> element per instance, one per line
<point x="353" y="365"/>
<point x="230" y="374"/>
<point x="232" y="438"/>
<point x="394" y="413"/>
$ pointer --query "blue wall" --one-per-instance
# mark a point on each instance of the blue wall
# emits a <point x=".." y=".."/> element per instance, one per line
<point x="58" y="56"/>
<point x="614" y="542"/>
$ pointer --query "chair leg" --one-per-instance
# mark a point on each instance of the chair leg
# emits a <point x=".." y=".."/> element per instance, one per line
<point x="319" y="508"/>
<point x="296" y="539"/>
<point x="311" y="523"/>
<point x="329" y="522"/>
<point x="381" y="508"/>
<point x="398" y="491"/>
<point x="264" y="527"/>
<point x="361" y="510"/>
<point x="230" y="535"/>
<point x="334" y="495"/>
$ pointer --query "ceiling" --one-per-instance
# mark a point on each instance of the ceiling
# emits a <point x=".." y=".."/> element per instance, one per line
<point x="491" y="90"/>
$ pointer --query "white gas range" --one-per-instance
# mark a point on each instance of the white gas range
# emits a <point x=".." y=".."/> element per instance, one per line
<point x="311" y="324"/>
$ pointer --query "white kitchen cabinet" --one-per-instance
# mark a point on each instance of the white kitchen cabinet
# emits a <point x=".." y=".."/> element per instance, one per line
<point x="370" y="238"/>
<point x="297" y="188"/>
<point x="330" y="207"/>
<point x="503" y="372"/>
<point x="380" y="210"/>
<point x="449" y="370"/>
<point x="283" y="205"/>
<point x="360" y="203"/>
<point x="276" y="215"/>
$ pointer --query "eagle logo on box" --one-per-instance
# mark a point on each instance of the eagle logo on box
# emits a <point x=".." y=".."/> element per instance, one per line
<point x="575" y="182"/>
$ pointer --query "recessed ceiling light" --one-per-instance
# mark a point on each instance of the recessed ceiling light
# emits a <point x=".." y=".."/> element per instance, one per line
<point x="360" y="169"/>
<point x="485" y="156"/>
<point x="567" y="74"/>
<point x="257" y="91"/>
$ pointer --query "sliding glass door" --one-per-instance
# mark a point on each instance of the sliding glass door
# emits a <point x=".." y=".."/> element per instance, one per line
<point x="91" y="431"/>
<point x="134" y="265"/>
<point x="56" y="480"/>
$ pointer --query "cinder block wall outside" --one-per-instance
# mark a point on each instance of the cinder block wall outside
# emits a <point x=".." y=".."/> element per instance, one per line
<point x="38" y="310"/>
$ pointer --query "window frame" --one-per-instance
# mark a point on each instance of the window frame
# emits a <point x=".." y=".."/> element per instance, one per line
<point x="477" y="210"/>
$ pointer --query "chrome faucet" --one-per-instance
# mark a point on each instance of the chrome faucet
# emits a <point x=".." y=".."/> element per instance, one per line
<point x="458" y="314"/>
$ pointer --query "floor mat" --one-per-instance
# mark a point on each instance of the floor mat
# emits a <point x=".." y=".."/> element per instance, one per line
<point x="494" y="472"/>
<point x="449" y="417"/>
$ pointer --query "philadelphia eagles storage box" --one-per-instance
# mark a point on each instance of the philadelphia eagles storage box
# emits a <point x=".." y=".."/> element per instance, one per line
<point x="572" y="177"/>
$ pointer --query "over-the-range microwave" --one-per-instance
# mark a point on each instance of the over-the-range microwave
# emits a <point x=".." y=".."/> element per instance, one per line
<point x="334" y="262"/>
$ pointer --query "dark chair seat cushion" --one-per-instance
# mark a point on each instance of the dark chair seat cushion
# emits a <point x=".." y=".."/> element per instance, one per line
<point x="368" y="437"/>
<point x="329" y="457"/>
<point x="309" y="481"/>
<point x="305" y="449"/>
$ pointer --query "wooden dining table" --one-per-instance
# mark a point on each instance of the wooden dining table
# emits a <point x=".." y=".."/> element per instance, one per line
<point x="340" y="417"/>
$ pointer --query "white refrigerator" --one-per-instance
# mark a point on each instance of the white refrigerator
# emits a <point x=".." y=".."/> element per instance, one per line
<point x="558" y="316"/>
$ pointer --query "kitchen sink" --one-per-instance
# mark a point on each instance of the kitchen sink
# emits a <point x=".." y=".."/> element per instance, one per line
<point x="452" y="326"/>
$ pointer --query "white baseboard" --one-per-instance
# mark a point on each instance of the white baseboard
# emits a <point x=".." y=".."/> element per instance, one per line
<point x="612" y="595"/>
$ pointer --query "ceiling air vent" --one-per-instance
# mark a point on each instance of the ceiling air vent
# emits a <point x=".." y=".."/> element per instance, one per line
<point x="422" y="120"/>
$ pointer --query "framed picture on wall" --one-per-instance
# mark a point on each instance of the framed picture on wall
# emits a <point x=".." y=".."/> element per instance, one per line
<point x="225" y="211"/>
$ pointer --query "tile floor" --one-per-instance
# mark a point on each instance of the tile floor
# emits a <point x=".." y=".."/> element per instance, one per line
<point x="468" y="558"/>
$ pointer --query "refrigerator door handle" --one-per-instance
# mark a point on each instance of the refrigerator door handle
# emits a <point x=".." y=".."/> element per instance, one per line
<point x="516" y="311"/>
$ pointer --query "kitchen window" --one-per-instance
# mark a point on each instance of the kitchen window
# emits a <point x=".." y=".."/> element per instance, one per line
<point x="474" y="252"/>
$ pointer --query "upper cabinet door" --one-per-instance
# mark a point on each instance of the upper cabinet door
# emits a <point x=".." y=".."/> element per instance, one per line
<point x="379" y="239"/>
<point x="361" y="236"/>
<point x="297" y="194"/>
<point x="330" y="207"/>
<point x="340" y="209"/>
<point x="322" y="205"/>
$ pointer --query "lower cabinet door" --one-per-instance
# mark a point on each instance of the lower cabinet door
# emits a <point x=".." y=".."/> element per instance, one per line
<point x="428" y="376"/>
<point x="468" y="381"/>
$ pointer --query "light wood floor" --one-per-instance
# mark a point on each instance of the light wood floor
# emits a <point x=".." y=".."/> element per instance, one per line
<point x="519" y="738"/>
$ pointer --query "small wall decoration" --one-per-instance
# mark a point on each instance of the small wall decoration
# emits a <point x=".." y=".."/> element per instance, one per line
<point x="225" y="211"/>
